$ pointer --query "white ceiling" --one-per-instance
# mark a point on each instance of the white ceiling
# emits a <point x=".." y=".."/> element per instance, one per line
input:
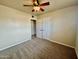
<point x="54" y="5"/>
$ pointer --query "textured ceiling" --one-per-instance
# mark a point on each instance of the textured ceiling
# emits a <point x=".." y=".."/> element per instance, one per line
<point x="54" y="5"/>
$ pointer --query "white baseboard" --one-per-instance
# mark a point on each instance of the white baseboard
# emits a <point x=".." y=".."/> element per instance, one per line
<point x="62" y="44"/>
<point x="13" y="45"/>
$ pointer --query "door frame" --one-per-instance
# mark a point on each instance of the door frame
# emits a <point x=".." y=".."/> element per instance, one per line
<point x="34" y="22"/>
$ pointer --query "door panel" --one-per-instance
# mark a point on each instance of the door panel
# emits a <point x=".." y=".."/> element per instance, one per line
<point x="44" y="28"/>
<point x="39" y="28"/>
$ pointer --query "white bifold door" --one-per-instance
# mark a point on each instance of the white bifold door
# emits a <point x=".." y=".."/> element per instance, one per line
<point x="44" y="28"/>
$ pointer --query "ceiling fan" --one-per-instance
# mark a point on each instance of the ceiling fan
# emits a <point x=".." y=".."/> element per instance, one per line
<point x="37" y="6"/>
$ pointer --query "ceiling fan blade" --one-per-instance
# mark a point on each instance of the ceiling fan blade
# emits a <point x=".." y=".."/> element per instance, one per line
<point x="27" y="5"/>
<point x="41" y="9"/>
<point x="33" y="1"/>
<point x="45" y="4"/>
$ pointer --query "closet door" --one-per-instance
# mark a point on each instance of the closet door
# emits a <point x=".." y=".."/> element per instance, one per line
<point x="44" y="28"/>
<point x="39" y="28"/>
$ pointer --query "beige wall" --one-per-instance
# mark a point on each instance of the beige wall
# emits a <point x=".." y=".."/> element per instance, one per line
<point x="64" y="25"/>
<point x="15" y="27"/>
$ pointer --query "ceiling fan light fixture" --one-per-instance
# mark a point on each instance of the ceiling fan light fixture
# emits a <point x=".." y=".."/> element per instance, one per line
<point x="36" y="8"/>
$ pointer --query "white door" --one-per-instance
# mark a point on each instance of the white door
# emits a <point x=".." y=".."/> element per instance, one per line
<point x="39" y="28"/>
<point x="44" y="28"/>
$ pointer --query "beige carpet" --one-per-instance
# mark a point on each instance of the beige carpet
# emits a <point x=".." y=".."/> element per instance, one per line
<point x="38" y="49"/>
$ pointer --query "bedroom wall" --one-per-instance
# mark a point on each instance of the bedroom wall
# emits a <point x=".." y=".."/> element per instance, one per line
<point x="63" y="25"/>
<point x="15" y="27"/>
